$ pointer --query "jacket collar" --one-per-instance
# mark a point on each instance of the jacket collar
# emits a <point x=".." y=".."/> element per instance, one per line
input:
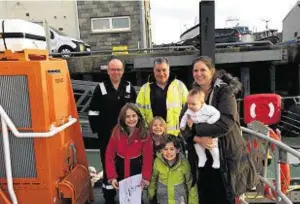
<point x="177" y="163"/>
<point x="123" y="83"/>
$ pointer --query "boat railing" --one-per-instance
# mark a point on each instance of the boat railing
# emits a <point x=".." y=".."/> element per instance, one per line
<point x="281" y="151"/>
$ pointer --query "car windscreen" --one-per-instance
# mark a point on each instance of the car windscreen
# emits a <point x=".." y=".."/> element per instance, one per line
<point x="59" y="32"/>
<point x="224" y="31"/>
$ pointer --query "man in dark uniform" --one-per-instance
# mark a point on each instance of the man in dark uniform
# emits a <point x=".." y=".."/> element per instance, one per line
<point x="108" y="99"/>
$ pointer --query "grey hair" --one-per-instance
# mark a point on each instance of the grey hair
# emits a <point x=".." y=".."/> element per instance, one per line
<point x="160" y="60"/>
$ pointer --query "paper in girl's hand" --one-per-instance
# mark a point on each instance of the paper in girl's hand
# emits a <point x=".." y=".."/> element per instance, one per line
<point x="130" y="191"/>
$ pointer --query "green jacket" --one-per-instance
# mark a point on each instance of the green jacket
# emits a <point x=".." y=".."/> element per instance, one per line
<point x="172" y="185"/>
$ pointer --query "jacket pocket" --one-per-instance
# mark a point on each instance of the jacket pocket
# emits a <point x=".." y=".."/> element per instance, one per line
<point x="180" y="193"/>
<point x="162" y="193"/>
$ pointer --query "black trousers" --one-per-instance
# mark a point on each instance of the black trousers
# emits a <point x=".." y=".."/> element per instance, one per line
<point x="211" y="187"/>
<point x="109" y="193"/>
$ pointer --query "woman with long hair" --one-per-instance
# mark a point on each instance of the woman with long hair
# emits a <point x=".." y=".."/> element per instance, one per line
<point x="237" y="172"/>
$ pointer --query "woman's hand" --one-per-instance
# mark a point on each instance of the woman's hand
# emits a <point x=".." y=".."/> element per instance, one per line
<point x="190" y="123"/>
<point x="115" y="183"/>
<point x="206" y="142"/>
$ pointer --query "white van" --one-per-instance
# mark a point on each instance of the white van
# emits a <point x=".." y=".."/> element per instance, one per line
<point x="62" y="43"/>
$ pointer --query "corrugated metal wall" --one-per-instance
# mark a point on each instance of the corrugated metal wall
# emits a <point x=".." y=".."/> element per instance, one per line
<point x="14" y="98"/>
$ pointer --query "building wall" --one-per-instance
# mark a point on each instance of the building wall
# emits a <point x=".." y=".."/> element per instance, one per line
<point x="99" y="9"/>
<point x="291" y="24"/>
<point x="60" y="14"/>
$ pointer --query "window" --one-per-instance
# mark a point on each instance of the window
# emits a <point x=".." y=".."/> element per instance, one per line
<point x="110" y="24"/>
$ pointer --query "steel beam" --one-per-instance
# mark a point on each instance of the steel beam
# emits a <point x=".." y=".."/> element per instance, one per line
<point x="207" y="28"/>
<point x="245" y="78"/>
<point x="250" y="56"/>
<point x="175" y="61"/>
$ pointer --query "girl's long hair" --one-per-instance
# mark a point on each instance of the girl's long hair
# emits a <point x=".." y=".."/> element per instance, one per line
<point x="161" y="138"/>
<point x="123" y="127"/>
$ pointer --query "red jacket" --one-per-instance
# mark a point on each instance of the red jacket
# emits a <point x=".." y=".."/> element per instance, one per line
<point x="127" y="157"/>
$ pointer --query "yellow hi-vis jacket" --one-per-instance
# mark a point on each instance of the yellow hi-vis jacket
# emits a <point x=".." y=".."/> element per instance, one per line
<point x="176" y="99"/>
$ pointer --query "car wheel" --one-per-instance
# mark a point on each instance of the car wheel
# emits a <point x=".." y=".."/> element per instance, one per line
<point x="65" y="51"/>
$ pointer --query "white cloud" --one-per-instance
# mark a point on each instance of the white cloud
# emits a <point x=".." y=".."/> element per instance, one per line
<point x="171" y="17"/>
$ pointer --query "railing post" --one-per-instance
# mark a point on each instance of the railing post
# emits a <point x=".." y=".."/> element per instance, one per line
<point x="7" y="159"/>
<point x="277" y="174"/>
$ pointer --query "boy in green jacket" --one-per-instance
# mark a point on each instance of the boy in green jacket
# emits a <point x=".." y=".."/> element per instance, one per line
<point x="171" y="180"/>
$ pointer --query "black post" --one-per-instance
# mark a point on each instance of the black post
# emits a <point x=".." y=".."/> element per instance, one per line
<point x="207" y="28"/>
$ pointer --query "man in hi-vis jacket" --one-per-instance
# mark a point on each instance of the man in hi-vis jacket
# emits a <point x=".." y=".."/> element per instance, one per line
<point x="163" y="95"/>
<point x="108" y="99"/>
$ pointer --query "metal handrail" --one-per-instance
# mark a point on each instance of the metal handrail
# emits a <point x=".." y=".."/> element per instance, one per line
<point x="278" y="146"/>
<point x="6" y="122"/>
<point x="263" y="42"/>
<point x="110" y="51"/>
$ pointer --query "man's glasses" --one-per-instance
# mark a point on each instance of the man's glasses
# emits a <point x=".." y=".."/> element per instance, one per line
<point x="115" y="70"/>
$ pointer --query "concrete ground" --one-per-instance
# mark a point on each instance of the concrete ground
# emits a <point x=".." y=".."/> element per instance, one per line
<point x="100" y="200"/>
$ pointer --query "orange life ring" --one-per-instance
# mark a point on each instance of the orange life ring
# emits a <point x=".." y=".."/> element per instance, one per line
<point x="285" y="173"/>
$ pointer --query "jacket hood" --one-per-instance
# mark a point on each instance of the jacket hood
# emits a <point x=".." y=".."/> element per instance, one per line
<point x="151" y="78"/>
<point x="233" y="82"/>
<point x="224" y="78"/>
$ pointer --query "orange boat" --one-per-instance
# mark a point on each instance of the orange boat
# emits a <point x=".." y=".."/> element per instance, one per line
<point x="43" y="158"/>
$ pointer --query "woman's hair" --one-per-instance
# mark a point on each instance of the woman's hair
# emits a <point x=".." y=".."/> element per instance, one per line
<point x="207" y="61"/>
<point x="233" y="82"/>
<point x="140" y="124"/>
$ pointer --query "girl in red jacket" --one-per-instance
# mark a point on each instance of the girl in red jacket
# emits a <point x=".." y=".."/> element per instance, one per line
<point x="129" y="151"/>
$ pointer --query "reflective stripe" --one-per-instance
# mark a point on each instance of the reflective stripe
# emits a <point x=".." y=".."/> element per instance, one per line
<point x="174" y="105"/>
<point x="93" y="112"/>
<point x="180" y="89"/>
<point x="109" y="187"/>
<point x="128" y="88"/>
<point x="103" y="89"/>
<point x="172" y="128"/>
<point x="143" y="106"/>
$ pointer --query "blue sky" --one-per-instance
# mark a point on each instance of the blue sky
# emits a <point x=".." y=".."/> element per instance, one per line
<point x="171" y="17"/>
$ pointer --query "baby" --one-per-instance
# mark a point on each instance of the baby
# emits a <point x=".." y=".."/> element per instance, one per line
<point x="199" y="112"/>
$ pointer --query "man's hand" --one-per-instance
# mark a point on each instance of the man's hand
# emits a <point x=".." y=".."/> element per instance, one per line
<point x="115" y="183"/>
<point x="206" y="142"/>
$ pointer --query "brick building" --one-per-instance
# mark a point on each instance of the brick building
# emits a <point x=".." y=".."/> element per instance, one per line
<point x="105" y="24"/>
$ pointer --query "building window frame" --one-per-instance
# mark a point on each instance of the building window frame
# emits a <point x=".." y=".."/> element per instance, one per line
<point x="111" y="28"/>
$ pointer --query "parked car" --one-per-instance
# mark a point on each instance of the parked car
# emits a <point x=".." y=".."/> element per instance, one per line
<point x="226" y="35"/>
<point x="243" y="30"/>
<point x="62" y="43"/>
<point x="222" y="35"/>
